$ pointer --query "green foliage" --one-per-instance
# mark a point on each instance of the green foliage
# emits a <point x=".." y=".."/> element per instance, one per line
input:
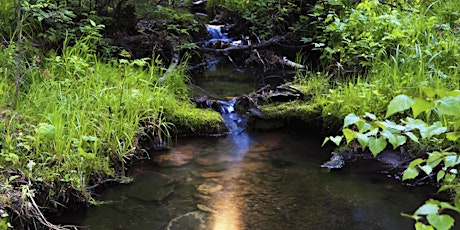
<point x="356" y="35"/>
<point x="79" y="117"/>
<point x="266" y="17"/>
<point x="438" y="128"/>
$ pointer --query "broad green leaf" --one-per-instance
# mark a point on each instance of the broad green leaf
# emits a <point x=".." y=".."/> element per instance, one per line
<point x="427" y="208"/>
<point x="395" y="139"/>
<point x="421" y="226"/>
<point x="427" y="169"/>
<point x="451" y="160"/>
<point x="432" y="130"/>
<point x="377" y="145"/>
<point x="372" y="132"/>
<point x="440" y="222"/>
<point x="412" y="136"/>
<point x="350" y="119"/>
<point x="414" y="124"/>
<point x="349" y="134"/>
<point x="336" y="139"/>
<point x="453" y="136"/>
<point x="449" y="106"/>
<point x="420" y="106"/>
<point x="363" y="140"/>
<point x="398" y="141"/>
<point x="442" y="92"/>
<point x="363" y="126"/>
<point x="416" y="162"/>
<point x="434" y="158"/>
<point x="388" y="135"/>
<point x="440" y="175"/>
<point x="429" y="92"/>
<point x="446" y="205"/>
<point x="392" y="125"/>
<point x="371" y="116"/>
<point x="410" y="173"/>
<point x="45" y="131"/>
<point x="399" y="104"/>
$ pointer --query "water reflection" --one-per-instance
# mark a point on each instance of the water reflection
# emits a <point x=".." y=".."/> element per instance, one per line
<point x="251" y="181"/>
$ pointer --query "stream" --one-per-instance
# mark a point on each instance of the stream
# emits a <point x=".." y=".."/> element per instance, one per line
<point x="270" y="180"/>
<point x="250" y="180"/>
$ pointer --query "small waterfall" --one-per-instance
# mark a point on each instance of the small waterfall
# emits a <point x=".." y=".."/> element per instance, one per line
<point x="236" y="124"/>
<point x="215" y="31"/>
<point x="216" y="35"/>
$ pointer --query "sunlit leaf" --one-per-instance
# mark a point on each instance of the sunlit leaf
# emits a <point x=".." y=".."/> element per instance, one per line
<point x="372" y="132"/>
<point x="363" y="126"/>
<point x="449" y="106"/>
<point x="410" y="173"/>
<point x="446" y="205"/>
<point x="420" y="106"/>
<point x="325" y="141"/>
<point x="363" y="140"/>
<point x="440" y="175"/>
<point x="453" y="136"/>
<point x="414" y="124"/>
<point x="350" y="119"/>
<point x="371" y="116"/>
<point x="399" y="104"/>
<point x="434" y="158"/>
<point x="451" y="160"/>
<point x="412" y="136"/>
<point x="429" y="92"/>
<point x="336" y="139"/>
<point x="421" y="226"/>
<point x="45" y="131"/>
<point x="432" y="130"/>
<point x="427" y="208"/>
<point x="377" y="145"/>
<point x="427" y="169"/>
<point x="440" y="222"/>
<point x="398" y="141"/>
<point x="392" y="125"/>
<point x="349" y="135"/>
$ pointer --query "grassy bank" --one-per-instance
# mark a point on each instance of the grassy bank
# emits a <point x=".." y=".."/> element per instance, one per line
<point x="78" y="121"/>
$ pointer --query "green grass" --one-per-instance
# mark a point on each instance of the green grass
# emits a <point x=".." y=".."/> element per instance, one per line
<point x="78" y="119"/>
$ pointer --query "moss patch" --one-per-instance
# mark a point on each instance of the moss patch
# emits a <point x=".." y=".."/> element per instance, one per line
<point x="189" y="120"/>
<point x="292" y="110"/>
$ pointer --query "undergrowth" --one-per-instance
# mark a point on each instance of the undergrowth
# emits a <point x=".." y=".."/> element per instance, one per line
<point x="78" y="121"/>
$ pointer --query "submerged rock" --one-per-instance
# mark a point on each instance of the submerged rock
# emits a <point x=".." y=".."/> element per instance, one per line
<point x="335" y="162"/>
<point x="209" y="188"/>
<point x="159" y="187"/>
<point x="188" y="221"/>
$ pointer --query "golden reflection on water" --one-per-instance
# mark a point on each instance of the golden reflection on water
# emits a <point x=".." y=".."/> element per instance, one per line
<point x="228" y="215"/>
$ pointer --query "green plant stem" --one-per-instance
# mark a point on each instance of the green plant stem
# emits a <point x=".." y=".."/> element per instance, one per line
<point x="18" y="77"/>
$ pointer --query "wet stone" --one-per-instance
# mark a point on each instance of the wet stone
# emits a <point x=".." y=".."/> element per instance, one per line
<point x="209" y="188"/>
<point x="188" y="221"/>
<point x="179" y="156"/>
<point x="212" y="174"/>
<point x="159" y="187"/>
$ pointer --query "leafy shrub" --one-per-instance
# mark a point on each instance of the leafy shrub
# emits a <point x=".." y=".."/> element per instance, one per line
<point x="435" y="122"/>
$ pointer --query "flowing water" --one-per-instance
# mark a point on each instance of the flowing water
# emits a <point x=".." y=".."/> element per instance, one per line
<point x="256" y="180"/>
<point x="245" y="180"/>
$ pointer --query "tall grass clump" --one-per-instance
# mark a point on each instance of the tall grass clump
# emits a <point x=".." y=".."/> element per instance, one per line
<point x="401" y="53"/>
<point x="78" y="119"/>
